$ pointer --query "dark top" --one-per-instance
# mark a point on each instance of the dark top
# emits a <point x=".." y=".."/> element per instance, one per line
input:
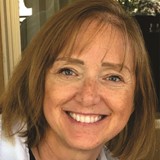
<point x="31" y="155"/>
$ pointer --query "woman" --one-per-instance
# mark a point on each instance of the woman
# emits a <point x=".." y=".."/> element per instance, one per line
<point x="83" y="89"/>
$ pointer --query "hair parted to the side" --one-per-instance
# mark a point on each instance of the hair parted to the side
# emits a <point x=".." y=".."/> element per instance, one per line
<point x="22" y="102"/>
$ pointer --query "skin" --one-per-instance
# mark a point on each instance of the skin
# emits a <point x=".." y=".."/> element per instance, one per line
<point x="90" y="85"/>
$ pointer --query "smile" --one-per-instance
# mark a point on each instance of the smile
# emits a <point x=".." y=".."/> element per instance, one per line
<point x="85" y="118"/>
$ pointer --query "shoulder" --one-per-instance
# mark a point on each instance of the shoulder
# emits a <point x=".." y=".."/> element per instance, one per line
<point x="12" y="149"/>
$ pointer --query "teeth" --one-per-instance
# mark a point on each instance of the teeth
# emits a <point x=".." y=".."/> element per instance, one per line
<point x="85" y="118"/>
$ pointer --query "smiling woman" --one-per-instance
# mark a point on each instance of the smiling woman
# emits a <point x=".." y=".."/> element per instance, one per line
<point x="83" y="87"/>
<point x="98" y="91"/>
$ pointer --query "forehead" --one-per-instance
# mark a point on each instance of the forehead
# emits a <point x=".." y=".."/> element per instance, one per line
<point x="110" y="35"/>
<point x="102" y="42"/>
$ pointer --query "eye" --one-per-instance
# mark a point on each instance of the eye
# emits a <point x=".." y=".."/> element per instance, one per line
<point x="67" y="72"/>
<point x="114" y="78"/>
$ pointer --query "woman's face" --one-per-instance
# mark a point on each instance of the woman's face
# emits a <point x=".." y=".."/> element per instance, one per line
<point x="89" y="95"/>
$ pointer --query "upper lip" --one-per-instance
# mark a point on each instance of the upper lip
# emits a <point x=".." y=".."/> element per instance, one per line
<point x="87" y="113"/>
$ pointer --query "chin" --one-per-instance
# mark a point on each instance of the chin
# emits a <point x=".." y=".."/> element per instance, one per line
<point x="86" y="145"/>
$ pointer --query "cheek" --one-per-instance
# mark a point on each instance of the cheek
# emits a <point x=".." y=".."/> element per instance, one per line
<point x="124" y="110"/>
<point x="57" y="94"/>
<point x="52" y="106"/>
<point x="51" y="98"/>
<point x="125" y="107"/>
<point x="121" y="103"/>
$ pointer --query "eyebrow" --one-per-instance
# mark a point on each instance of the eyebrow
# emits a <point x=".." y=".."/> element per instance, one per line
<point x="71" y="60"/>
<point x="104" y="64"/>
<point x="115" y="66"/>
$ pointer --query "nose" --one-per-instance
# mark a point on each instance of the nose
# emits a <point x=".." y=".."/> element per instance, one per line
<point x="88" y="93"/>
